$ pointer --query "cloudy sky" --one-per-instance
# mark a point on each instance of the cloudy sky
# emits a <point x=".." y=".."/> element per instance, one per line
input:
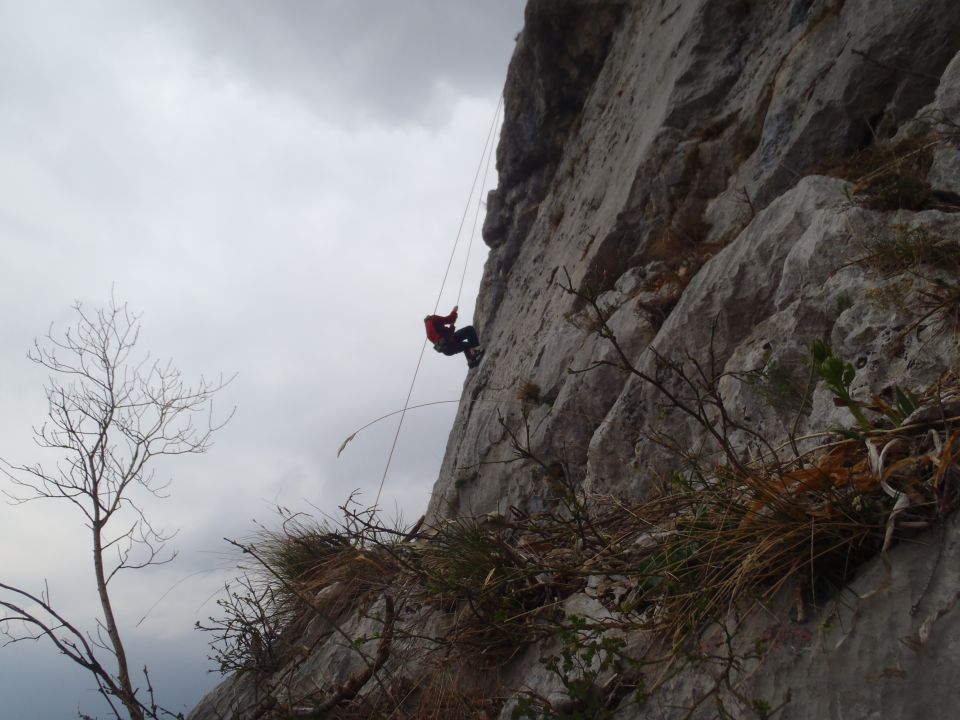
<point x="276" y="186"/>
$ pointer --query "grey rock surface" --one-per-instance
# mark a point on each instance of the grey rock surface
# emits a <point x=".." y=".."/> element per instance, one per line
<point x="702" y="114"/>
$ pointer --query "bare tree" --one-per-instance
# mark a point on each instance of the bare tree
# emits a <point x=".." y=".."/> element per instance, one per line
<point x="110" y="416"/>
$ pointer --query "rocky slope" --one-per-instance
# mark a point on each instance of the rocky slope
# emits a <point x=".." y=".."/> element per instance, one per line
<point x="726" y="182"/>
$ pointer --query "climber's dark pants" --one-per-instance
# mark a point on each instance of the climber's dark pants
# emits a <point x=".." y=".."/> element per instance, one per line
<point x="462" y="340"/>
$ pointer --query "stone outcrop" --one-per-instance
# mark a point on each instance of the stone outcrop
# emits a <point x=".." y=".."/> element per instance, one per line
<point x="675" y="163"/>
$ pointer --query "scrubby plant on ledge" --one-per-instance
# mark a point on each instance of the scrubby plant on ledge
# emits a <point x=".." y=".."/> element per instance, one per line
<point x="711" y="541"/>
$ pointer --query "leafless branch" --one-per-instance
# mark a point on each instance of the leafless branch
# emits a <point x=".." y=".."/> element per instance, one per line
<point x="109" y="417"/>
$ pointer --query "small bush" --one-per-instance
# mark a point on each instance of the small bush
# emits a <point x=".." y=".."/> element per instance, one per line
<point x="843" y="302"/>
<point x="247" y="634"/>
<point x="776" y="385"/>
<point x="586" y="654"/>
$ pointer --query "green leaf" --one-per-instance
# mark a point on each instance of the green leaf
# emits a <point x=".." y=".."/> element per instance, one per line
<point x="821" y="351"/>
<point x="907" y="402"/>
<point x="848" y="374"/>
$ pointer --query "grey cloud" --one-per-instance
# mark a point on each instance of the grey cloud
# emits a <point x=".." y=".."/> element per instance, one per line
<point x="379" y="61"/>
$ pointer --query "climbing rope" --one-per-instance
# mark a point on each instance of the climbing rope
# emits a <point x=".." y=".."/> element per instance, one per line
<point x="484" y="156"/>
<point x="484" y="162"/>
<point x="476" y="215"/>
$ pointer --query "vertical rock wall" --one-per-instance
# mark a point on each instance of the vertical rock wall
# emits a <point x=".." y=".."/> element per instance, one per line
<point x="655" y="154"/>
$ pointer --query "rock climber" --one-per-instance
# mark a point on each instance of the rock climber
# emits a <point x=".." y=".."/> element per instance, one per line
<point x="442" y="332"/>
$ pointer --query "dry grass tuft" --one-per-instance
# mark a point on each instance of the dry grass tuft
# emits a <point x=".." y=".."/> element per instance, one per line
<point x="904" y="249"/>
<point x="310" y="556"/>
<point x="890" y="176"/>
<point x="930" y="261"/>
<point x="716" y="539"/>
<point x="529" y="392"/>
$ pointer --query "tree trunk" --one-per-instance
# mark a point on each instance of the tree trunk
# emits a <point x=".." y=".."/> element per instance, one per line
<point x="123" y="673"/>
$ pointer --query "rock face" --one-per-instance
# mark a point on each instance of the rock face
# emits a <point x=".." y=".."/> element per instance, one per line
<point x="668" y="163"/>
<point x="696" y="133"/>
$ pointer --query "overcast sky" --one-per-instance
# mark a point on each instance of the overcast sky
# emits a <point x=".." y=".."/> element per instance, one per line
<point x="276" y="186"/>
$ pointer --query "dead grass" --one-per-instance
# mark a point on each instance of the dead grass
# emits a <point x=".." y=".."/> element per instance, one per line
<point x="930" y="262"/>
<point x="889" y="176"/>
<point x="310" y="556"/>
<point x="904" y="248"/>
<point x="940" y="303"/>
<point x="687" y="556"/>
<point x="529" y="392"/>
<point x="678" y="239"/>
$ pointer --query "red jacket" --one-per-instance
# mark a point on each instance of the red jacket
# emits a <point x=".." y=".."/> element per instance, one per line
<point x="439" y="326"/>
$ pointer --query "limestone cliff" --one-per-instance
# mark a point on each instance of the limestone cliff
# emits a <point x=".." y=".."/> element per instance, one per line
<point x="691" y="193"/>
<point x="700" y="116"/>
